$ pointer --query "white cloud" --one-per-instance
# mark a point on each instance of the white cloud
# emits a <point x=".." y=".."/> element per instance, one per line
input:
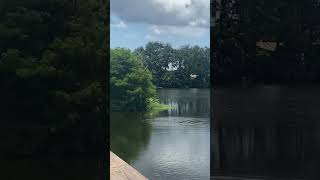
<point x="150" y="37"/>
<point x="182" y="18"/>
<point x="156" y="30"/>
<point x="184" y="31"/>
<point x="163" y="12"/>
<point x="198" y="22"/>
<point x="119" y="24"/>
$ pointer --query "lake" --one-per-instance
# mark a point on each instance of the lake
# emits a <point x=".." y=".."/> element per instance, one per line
<point x="268" y="131"/>
<point x="173" y="144"/>
<point x="264" y="131"/>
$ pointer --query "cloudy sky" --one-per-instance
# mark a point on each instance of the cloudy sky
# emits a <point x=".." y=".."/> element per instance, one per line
<point x="178" y="22"/>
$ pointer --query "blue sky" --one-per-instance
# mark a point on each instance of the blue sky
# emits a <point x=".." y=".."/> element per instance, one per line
<point x="178" y="22"/>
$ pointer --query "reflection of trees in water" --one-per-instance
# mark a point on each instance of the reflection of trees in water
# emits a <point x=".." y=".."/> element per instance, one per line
<point x="129" y="134"/>
<point x="186" y="106"/>
<point x="285" y="151"/>
<point x="266" y="131"/>
<point x="262" y="151"/>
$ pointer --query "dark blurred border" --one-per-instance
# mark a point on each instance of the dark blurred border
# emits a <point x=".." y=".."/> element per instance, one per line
<point x="39" y="41"/>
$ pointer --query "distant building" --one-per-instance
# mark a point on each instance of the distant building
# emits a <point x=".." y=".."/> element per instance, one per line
<point x="171" y="67"/>
<point x="193" y="76"/>
<point x="266" y="48"/>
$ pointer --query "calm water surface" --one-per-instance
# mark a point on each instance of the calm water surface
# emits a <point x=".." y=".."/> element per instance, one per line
<point x="270" y="131"/>
<point x="172" y="145"/>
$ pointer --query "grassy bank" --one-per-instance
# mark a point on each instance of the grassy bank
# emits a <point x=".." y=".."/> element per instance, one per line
<point x="155" y="107"/>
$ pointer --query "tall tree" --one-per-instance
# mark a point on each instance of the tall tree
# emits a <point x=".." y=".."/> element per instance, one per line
<point x="131" y="83"/>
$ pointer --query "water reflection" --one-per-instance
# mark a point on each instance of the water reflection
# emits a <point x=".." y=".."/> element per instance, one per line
<point x="186" y="102"/>
<point x="176" y="144"/>
<point x="266" y="131"/>
<point x="129" y="135"/>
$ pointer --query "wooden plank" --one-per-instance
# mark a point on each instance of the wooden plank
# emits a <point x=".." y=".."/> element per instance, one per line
<point x="120" y="170"/>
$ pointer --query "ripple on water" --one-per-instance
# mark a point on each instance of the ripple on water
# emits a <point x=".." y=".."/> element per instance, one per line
<point x="179" y="122"/>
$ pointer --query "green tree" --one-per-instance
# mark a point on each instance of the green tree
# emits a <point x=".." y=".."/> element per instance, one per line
<point x="156" y="57"/>
<point x="172" y="68"/>
<point x="131" y="83"/>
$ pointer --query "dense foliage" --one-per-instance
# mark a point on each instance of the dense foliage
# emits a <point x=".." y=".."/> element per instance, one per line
<point x="131" y="85"/>
<point x="172" y="67"/>
<point x="293" y="26"/>
<point x="53" y="66"/>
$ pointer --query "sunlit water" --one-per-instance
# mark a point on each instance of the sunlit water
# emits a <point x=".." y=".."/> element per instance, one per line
<point x="173" y="145"/>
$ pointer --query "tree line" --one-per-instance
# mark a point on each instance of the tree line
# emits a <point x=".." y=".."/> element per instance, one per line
<point x="265" y="41"/>
<point x="172" y="67"/>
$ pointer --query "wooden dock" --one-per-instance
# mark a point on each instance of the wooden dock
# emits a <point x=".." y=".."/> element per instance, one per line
<point x="120" y="170"/>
